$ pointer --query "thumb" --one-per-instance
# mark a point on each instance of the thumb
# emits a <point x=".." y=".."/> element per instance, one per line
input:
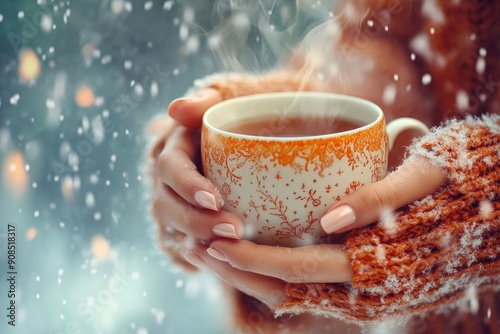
<point x="412" y="181"/>
<point x="189" y="110"/>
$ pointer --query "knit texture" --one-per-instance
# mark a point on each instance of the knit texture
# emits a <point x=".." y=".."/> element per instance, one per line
<point x="435" y="252"/>
<point x="231" y="85"/>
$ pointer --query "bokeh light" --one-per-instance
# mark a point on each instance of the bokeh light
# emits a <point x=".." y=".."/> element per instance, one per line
<point x="100" y="248"/>
<point x="84" y="96"/>
<point x="31" y="233"/>
<point x="29" y="65"/>
<point x="14" y="173"/>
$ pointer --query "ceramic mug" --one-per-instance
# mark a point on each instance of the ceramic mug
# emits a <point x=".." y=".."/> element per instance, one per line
<point x="280" y="185"/>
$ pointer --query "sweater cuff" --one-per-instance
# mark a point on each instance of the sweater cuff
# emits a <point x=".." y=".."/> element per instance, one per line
<point x="231" y="84"/>
<point x="438" y="252"/>
<point x="457" y="146"/>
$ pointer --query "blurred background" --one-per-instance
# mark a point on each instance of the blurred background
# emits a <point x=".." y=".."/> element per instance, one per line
<point x="79" y="81"/>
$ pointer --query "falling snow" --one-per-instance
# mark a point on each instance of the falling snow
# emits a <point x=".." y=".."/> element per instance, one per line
<point x="486" y="209"/>
<point x="462" y="100"/>
<point x="426" y="79"/>
<point x="432" y="10"/>
<point x="106" y="59"/>
<point x="389" y="94"/>
<point x="90" y="200"/>
<point x="46" y="23"/>
<point x="480" y="65"/>
<point x="168" y="5"/>
<point x="14" y="99"/>
<point x="73" y="133"/>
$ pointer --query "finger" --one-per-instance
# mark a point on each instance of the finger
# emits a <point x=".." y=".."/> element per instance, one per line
<point x="176" y="169"/>
<point x="268" y="290"/>
<point x="173" y="211"/>
<point x="160" y="126"/>
<point x="410" y="182"/>
<point x="318" y="263"/>
<point x="189" y="110"/>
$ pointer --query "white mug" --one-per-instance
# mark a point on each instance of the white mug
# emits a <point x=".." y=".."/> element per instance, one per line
<point x="280" y="181"/>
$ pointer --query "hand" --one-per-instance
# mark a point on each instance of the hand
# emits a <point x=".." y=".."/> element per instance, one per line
<point x="185" y="203"/>
<point x="412" y="181"/>
<point x="189" y="111"/>
<point x="262" y="271"/>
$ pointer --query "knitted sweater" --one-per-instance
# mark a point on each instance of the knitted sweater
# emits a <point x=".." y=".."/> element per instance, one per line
<point x="433" y="252"/>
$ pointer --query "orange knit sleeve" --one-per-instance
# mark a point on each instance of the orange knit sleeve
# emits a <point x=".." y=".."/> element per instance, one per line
<point x="233" y="84"/>
<point x="432" y="254"/>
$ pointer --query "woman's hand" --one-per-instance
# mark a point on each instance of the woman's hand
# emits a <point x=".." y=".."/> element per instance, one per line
<point x="188" y="203"/>
<point x="184" y="202"/>
<point x="412" y="181"/>
<point x="262" y="271"/>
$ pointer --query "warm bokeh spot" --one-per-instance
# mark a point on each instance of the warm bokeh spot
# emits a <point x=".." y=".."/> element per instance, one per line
<point x="14" y="174"/>
<point x="31" y="233"/>
<point x="88" y="50"/>
<point x="29" y="65"/>
<point x="67" y="187"/>
<point x="100" y="247"/>
<point x="84" y="96"/>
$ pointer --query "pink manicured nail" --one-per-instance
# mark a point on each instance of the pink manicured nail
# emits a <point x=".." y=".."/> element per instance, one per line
<point x="174" y="107"/>
<point x="177" y="106"/>
<point x="225" y="230"/>
<point x="217" y="254"/>
<point x="206" y="200"/>
<point x="337" y="219"/>
<point x="195" y="260"/>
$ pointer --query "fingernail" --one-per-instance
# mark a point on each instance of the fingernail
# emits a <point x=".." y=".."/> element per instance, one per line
<point x="173" y="108"/>
<point x="206" y="200"/>
<point x="217" y="254"/>
<point x="337" y="219"/>
<point x="176" y="106"/>
<point x="195" y="260"/>
<point x="225" y="230"/>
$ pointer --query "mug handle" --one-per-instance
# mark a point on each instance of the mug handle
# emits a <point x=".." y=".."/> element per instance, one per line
<point x="395" y="127"/>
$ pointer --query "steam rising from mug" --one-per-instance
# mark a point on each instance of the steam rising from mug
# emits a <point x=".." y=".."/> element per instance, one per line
<point x="252" y="36"/>
<point x="256" y="35"/>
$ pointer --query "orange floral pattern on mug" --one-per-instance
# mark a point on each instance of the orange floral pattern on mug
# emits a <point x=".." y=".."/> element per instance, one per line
<point x="286" y="185"/>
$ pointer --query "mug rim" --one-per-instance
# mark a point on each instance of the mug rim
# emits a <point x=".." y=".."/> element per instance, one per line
<point x="293" y="95"/>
